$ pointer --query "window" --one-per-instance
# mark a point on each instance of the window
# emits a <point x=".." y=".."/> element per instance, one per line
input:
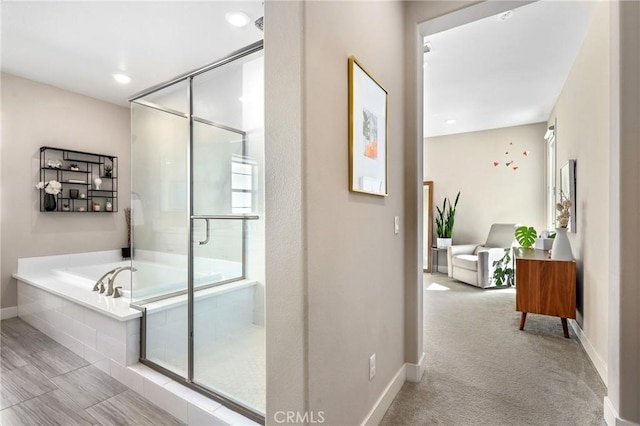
<point x="550" y="137"/>
<point x="241" y="185"/>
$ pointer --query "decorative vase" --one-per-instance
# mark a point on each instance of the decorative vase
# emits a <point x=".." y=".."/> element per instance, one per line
<point x="49" y="202"/>
<point x="442" y="243"/>
<point x="561" y="249"/>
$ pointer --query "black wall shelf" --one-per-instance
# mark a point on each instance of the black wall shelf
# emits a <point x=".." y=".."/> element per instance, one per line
<point x="56" y="163"/>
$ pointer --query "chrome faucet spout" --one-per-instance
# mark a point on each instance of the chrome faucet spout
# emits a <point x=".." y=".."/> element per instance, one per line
<point x="96" y="287"/>
<point x="112" y="279"/>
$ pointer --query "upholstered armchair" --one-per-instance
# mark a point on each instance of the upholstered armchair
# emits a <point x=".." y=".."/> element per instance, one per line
<point x="473" y="263"/>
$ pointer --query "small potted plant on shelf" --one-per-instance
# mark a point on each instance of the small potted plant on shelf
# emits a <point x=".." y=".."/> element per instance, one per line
<point x="107" y="170"/>
<point x="444" y="222"/>
<point x="544" y="240"/>
<point x="74" y="168"/>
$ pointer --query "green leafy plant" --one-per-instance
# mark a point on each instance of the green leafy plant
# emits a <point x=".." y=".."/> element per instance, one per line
<point x="526" y="236"/>
<point x="446" y="217"/>
<point x="503" y="272"/>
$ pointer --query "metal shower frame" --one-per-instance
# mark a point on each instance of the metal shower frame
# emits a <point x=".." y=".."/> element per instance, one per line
<point x="137" y="98"/>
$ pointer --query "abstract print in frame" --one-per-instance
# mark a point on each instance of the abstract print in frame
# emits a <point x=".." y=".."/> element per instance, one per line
<point x="367" y="132"/>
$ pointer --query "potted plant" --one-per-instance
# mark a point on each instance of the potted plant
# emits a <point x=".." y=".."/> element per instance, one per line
<point x="544" y="240"/>
<point x="503" y="268"/>
<point x="444" y="222"/>
<point x="526" y="236"/>
<point x="503" y="272"/>
<point x="107" y="170"/>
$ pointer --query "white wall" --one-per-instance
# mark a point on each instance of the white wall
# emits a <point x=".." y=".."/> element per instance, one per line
<point x="582" y="114"/>
<point x="35" y="115"/>
<point x="489" y="194"/>
<point x="355" y="262"/>
<point x="624" y="293"/>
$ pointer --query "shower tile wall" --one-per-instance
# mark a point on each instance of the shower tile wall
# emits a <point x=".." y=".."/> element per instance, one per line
<point x="219" y="316"/>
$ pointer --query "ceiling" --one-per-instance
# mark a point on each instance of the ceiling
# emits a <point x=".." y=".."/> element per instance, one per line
<point x="79" y="45"/>
<point x="495" y="73"/>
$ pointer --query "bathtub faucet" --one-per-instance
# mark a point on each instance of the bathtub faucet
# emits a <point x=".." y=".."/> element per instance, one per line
<point x="112" y="279"/>
<point x="99" y="286"/>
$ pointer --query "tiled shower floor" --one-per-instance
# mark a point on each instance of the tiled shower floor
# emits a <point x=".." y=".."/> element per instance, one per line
<point x="43" y="383"/>
<point x="235" y="367"/>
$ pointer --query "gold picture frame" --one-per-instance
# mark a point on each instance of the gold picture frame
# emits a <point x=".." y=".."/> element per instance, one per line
<point x="368" y="106"/>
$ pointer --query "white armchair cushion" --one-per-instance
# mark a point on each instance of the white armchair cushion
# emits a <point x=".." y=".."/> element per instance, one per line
<point x="466" y="261"/>
<point x="457" y="250"/>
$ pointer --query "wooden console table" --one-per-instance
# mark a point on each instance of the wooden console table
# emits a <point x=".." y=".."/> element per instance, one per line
<point x="545" y="286"/>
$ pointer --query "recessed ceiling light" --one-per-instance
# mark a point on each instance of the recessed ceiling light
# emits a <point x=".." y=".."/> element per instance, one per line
<point x="122" y="78"/>
<point x="237" y="19"/>
<point x="450" y="121"/>
<point x="505" y="15"/>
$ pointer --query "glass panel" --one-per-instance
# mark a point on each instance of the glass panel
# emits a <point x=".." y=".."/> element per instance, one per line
<point x="226" y="94"/>
<point x="229" y="348"/>
<point x="215" y="150"/>
<point x="161" y="230"/>
<point x="217" y="256"/>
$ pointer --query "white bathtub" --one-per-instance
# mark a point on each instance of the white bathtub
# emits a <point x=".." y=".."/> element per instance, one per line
<point x="158" y="276"/>
<point x="54" y="296"/>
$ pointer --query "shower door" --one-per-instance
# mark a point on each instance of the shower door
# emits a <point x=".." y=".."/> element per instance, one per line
<point x="197" y="151"/>
<point x="226" y="341"/>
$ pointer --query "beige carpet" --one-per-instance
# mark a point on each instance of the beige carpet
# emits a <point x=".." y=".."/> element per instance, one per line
<point x="482" y="370"/>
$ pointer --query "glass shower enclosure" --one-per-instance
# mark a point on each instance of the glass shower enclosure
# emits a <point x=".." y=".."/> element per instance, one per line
<point x="198" y="229"/>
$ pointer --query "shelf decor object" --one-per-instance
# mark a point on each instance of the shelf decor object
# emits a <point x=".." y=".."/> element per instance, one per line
<point x="367" y="132"/>
<point x="76" y="172"/>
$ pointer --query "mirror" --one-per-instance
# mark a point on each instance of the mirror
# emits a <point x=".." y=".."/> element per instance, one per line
<point x="427" y="231"/>
<point x="568" y="189"/>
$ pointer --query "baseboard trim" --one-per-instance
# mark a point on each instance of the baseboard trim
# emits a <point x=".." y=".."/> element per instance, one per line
<point x="384" y="402"/>
<point x="611" y="416"/>
<point x="416" y="371"/>
<point x="11" y="312"/>
<point x="598" y="363"/>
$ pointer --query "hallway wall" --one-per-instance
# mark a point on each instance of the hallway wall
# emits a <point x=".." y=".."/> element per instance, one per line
<point x="35" y="115"/>
<point x="355" y="267"/>
<point x="342" y="285"/>
<point x="582" y="115"/>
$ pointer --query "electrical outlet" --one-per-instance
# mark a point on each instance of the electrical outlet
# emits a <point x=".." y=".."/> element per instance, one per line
<point x="372" y="366"/>
<point x="396" y="225"/>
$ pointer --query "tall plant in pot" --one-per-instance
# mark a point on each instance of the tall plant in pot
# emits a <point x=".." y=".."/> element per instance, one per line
<point x="445" y="221"/>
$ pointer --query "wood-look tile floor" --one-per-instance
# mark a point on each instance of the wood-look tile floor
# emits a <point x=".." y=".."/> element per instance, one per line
<point x="44" y="383"/>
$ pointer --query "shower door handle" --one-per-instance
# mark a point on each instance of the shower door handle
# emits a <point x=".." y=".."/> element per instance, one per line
<point x="206" y="240"/>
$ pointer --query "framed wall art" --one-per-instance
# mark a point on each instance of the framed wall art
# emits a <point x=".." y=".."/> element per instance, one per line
<point x="568" y="190"/>
<point x="367" y="132"/>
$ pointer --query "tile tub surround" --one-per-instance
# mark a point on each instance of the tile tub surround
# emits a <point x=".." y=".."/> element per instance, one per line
<point x="89" y="334"/>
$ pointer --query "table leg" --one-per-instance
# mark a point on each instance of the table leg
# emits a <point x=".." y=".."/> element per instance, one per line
<point x="565" y="329"/>
<point x="523" y="318"/>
